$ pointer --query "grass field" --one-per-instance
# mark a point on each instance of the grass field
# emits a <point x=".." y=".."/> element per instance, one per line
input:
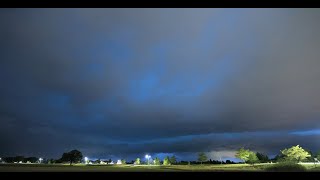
<point x="140" y="168"/>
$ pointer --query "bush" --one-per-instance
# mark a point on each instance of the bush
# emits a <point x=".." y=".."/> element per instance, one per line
<point x="286" y="167"/>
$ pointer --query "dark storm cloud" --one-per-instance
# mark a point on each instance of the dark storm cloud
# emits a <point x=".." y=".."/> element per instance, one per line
<point x="111" y="81"/>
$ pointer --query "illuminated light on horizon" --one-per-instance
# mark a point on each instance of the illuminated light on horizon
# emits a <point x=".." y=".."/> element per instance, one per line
<point x="148" y="157"/>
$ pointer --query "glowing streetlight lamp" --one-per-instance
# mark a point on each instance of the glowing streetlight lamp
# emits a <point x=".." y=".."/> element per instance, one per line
<point x="40" y="159"/>
<point x="147" y="157"/>
<point x="86" y="160"/>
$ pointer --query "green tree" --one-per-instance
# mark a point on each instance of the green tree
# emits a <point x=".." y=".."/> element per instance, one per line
<point x="262" y="157"/>
<point x="243" y="154"/>
<point x="252" y="159"/>
<point x="173" y="160"/>
<point x="73" y="156"/>
<point x="123" y="161"/>
<point x="295" y="153"/>
<point x="166" y="161"/>
<point x="156" y="161"/>
<point x="137" y="162"/>
<point x="202" y="157"/>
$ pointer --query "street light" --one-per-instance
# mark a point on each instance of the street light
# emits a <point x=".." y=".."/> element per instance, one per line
<point x="86" y="160"/>
<point x="147" y="157"/>
<point x="40" y="159"/>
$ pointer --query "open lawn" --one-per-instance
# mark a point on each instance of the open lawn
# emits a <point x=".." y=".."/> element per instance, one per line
<point x="139" y="168"/>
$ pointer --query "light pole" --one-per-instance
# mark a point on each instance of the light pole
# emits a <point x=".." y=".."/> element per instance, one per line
<point x="148" y="157"/>
<point x="40" y="159"/>
<point x="86" y="160"/>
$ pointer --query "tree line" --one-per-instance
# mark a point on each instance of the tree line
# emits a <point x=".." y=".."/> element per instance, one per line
<point x="293" y="154"/>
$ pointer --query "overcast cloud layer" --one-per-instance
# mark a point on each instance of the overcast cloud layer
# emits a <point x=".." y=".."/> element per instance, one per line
<point x="124" y="82"/>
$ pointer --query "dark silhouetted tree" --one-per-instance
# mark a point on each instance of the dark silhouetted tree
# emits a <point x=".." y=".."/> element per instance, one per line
<point x="73" y="156"/>
<point x="262" y="157"/>
<point x="311" y="157"/>
<point x="19" y="158"/>
<point x="318" y="156"/>
<point x="173" y="160"/>
<point x="32" y="159"/>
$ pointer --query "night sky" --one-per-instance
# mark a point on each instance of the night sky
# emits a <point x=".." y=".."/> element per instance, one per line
<point x="120" y="83"/>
